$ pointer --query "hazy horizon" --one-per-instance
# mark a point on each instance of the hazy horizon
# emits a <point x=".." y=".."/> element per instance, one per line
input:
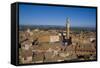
<point x="55" y="25"/>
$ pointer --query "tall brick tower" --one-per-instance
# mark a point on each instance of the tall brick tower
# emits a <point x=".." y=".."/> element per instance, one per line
<point x="67" y="27"/>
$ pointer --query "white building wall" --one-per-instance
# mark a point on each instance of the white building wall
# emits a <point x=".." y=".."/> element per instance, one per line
<point x="54" y="38"/>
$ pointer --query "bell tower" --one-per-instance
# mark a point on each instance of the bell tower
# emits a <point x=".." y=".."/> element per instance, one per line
<point x="67" y="27"/>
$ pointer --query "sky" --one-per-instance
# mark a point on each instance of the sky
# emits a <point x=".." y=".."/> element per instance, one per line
<point x="56" y="15"/>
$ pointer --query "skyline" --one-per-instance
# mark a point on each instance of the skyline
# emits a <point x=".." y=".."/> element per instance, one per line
<point x="52" y="15"/>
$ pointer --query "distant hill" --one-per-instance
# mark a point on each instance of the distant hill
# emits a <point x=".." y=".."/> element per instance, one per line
<point x="47" y="27"/>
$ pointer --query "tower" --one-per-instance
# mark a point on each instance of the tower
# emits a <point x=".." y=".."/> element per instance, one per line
<point x="67" y="28"/>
